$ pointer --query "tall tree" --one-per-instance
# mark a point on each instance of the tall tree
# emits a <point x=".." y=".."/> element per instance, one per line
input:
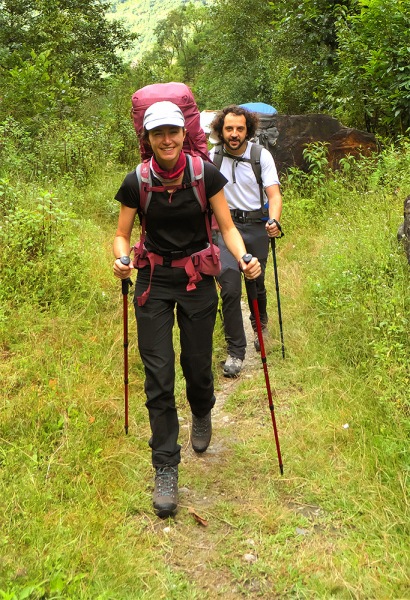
<point x="233" y="70"/>
<point x="180" y="42"/>
<point x="82" y="42"/>
<point x="305" y="48"/>
<point x="372" y="86"/>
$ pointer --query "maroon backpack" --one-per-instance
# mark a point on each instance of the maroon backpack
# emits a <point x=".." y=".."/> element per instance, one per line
<point x="180" y="94"/>
<point x="196" y="148"/>
<point x="195" y="143"/>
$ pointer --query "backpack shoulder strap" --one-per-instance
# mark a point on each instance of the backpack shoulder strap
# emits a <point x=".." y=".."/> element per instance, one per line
<point x="256" y="151"/>
<point x="218" y="156"/>
<point x="196" y="171"/>
<point x="143" y="172"/>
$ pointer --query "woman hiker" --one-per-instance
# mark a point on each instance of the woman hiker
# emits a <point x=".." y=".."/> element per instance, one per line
<point x="175" y="227"/>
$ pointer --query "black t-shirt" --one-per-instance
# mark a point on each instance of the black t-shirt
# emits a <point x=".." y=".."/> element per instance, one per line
<point x="175" y="225"/>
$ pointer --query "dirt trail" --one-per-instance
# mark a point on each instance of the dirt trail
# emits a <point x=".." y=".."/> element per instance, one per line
<point x="221" y="419"/>
<point x="200" y="552"/>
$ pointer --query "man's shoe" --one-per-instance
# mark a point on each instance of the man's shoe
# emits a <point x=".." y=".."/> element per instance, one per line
<point x="256" y="342"/>
<point x="201" y="432"/>
<point x="232" y="366"/>
<point x="265" y="335"/>
<point x="165" y="496"/>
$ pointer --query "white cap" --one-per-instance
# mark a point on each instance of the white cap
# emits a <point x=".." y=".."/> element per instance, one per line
<point x="163" y="113"/>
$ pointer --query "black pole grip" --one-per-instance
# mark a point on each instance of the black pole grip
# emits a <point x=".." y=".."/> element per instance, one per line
<point x="125" y="283"/>
<point x="125" y="260"/>
<point x="250" y="283"/>
<point x="278" y="225"/>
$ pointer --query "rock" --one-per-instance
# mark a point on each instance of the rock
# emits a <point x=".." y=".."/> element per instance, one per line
<point x="167" y="529"/>
<point x="295" y="131"/>
<point x="250" y="542"/>
<point x="301" y="531"/>
<point x="250" y="558"/>
<point x="255" y="585"/>
<point x="184" y="490"/>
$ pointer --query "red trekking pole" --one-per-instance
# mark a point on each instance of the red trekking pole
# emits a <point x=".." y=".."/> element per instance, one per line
<point x="125" y="289"/>
<point x="254" y="298"/>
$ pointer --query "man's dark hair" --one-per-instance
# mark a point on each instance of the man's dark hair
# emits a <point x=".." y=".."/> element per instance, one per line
<point x="252" y="120"/>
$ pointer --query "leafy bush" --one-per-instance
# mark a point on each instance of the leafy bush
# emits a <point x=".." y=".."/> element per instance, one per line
<point x="40" y="260"/>
<point x="66" y="148"/>
<point x="32" y="90"/>
<point x="7" y="196"/>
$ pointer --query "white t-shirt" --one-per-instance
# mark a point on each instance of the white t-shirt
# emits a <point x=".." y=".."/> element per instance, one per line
<point x="244" y="194"/>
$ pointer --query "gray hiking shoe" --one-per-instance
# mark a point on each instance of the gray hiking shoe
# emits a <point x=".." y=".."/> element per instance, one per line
<point x="266" y="337"/>
<point x="201" y="432"/>
<point x="165" y="496"/>
<point x="232" y="366"/>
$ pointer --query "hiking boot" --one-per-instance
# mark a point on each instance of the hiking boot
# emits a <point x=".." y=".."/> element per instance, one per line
<point x="232" y="366"/>
<point x="201" y="432"/>
<point x="165" y="496"/>
<point x="265" y="335"/>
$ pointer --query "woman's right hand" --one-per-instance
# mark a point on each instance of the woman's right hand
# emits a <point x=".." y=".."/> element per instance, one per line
<point x="251" y="270"/>
<point x="122" y="271"/>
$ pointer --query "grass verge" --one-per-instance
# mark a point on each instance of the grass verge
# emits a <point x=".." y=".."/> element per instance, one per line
<point x="75" y="492"/>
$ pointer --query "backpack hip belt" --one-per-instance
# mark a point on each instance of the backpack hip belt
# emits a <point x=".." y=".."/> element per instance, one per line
<point x="205" y="261"/>
<point x="247" y="216"/>
<point x="170" y="257"/>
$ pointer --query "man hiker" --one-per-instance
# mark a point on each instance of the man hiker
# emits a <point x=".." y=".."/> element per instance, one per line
<point x="252" y="178"/>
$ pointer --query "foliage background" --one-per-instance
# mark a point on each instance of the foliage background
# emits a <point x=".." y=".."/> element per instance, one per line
<point x="75" y="494"/>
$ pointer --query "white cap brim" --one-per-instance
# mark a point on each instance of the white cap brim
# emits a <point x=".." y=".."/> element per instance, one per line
<point x="163" y="113"/>
<point x="165" y="121"/>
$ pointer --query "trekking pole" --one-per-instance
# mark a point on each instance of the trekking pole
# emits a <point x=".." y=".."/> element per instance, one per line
<point x="273" y="244"/>
<point x="254" y="298"/>
<point x="125" y="289"/>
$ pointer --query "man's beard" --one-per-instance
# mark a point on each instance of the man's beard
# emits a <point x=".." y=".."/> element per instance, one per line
<point x="228" y="145"/>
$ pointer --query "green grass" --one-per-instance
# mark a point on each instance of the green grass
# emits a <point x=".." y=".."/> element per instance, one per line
<point x="76" y="520"/>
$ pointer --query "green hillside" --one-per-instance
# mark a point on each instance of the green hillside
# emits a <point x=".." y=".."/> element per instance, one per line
<point x="142" y="16"/>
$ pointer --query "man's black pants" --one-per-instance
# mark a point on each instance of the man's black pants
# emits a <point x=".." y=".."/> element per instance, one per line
<point x="196" y="312"/>
<point x="256" y="242"/>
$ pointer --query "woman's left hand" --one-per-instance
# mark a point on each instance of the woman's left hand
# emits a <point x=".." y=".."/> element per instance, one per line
<point x="251" y="270"/>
